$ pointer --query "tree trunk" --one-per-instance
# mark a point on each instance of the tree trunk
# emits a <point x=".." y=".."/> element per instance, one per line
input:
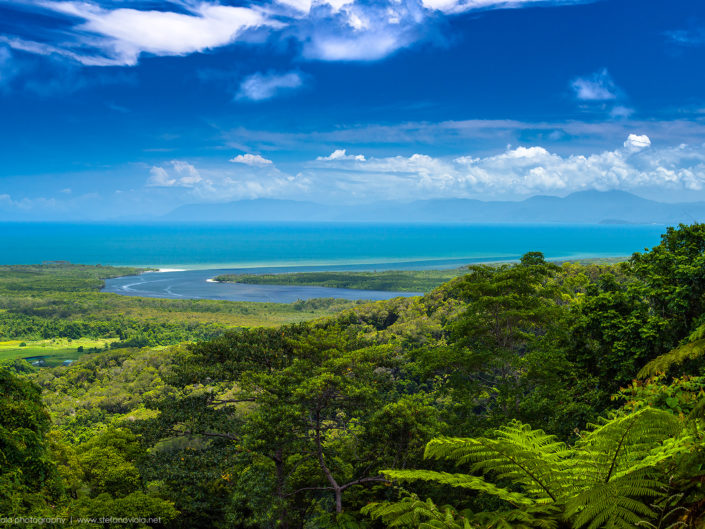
<point x="329" y="475"/>
<point x="283" y="512"/>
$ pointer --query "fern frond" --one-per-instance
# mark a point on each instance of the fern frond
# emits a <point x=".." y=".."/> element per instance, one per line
<point x="613" y="447"/>
<point x="413" y="513"/>
<point x="464" y="481"/>
<point x="690" y="351"/>
<point x="533" y="517"/>
<point x="528" y="457"/>
<point x="667" y="450"/>
<point x="616" y="504"/>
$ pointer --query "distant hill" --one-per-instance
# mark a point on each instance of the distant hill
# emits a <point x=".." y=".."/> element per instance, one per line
<point x="594" y="207"/>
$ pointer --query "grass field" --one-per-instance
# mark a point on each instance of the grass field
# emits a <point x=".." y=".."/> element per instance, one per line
<point x="53" y="351"/>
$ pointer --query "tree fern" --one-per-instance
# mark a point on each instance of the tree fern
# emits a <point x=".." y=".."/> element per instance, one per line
<point x="535" y="517"/>
<point x="464" y="481"/>
<point x="616" y="504"/>
<point x="695" y="348"/>
<point x="412" y="512"/>
<point x="618" y="446"/>
<point x="519" y="454"/>
<point x="606" y="480"/>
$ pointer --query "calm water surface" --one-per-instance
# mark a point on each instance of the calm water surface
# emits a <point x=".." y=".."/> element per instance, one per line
<point x="193" y="284"/>
<point x="234" y="246"/>
<point x="208" y="250"/>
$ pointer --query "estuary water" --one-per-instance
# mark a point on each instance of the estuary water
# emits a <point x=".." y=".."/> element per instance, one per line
<point x="194" y="284"/>
<point x="201" y="251"/>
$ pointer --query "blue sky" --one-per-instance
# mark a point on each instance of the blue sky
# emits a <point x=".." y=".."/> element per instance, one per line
<point x="120" y="108"/>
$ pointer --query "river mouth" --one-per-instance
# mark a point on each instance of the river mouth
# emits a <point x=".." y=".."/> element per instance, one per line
<point x="195" y="284"/>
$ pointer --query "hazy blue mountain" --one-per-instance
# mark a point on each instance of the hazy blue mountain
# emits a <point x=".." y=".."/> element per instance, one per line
<point x="611" y="207"/>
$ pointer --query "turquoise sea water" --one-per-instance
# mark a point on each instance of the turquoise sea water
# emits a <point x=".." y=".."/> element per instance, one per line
<point x="297" y="245"/>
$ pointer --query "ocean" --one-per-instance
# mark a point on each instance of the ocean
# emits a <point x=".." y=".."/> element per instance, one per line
<point x="312" y="246"/>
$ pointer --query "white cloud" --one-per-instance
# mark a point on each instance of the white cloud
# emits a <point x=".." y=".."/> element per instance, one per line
<point x="180" y="174"/>
<point x="118" y="33"/>
<point x="218" y="183"/>
<point x="251" y="159"/>
<point x="459" y="6"/>
<point x="362" y="32"/>
<point x="262" y="86"/>
<point x="341" y="154"/>
<point x="304" y="6"/>
<point x="636" y="142"/>
<point x="520" y="171"/>
<point x="635" y="165"/>
<point x="597" y="87"/>
<point x="123" y="34"/>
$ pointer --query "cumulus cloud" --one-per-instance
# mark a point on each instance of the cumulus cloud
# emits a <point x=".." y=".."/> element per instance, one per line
<point x="522" y="171"/>
<point x="361" y="31"/>
<point x="256" y="179"/>
<point x="636" y="164"/>
<point x="341" y="154"/>
<point x="262" y="86"/>
<point x="179" y="174"/>
<point x="636" y="142"/>
<point x="251" y="159"/>
<point x="596" y="87"/>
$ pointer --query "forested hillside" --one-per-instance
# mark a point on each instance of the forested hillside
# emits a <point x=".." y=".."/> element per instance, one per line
<point x="516" y="396"/>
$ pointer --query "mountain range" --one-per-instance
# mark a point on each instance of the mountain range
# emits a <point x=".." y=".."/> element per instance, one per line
<point x="589" y="207"/>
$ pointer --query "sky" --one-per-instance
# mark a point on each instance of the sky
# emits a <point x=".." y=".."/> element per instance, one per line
<point x="120" y="108"/>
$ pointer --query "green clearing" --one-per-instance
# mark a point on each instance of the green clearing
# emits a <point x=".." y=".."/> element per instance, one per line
<point x="54" y="351"/>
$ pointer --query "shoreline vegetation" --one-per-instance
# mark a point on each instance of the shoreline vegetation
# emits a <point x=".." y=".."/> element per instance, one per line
<point x="383" y="280"/>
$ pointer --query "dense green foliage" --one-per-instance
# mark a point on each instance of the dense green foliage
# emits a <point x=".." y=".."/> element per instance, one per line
<point x="28" y="478"/>
<point x="57" y="277"/>
<point x="508" y="397"/>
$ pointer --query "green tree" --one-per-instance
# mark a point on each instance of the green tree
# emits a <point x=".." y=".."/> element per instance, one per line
<point x="311" y="415"/>
<point x="623" y="323"/>
<point x="28" y="478"/>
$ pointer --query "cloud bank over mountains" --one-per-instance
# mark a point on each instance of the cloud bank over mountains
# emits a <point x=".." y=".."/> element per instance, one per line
<point x="515" y="172"/>
<point x="356" y="179"/>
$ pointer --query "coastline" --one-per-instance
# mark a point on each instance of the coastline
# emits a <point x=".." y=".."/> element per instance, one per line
<point x="424" y="263"/>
